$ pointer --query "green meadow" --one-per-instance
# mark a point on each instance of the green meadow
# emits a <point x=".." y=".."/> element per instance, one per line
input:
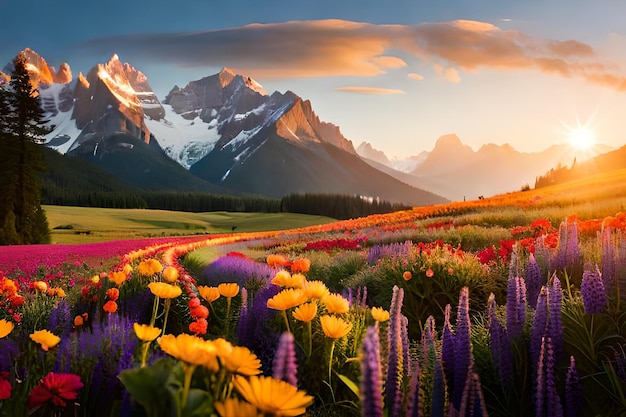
<point x="89" y="224"/>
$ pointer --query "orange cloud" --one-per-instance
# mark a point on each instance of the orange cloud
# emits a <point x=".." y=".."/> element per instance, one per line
<point x="415" y="76"/>
<point x="369" y="90"/>
<point x="328" y="48"/>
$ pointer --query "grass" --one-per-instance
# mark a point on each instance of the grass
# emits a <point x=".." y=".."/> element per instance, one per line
<point x="88" y="224"/>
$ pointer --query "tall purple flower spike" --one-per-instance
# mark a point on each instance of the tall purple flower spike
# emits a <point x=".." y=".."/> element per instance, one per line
<point x="555" y="325"/>
<point x="371" y="375"/>
<point x="285" y="367"/>
<point x="573" y="390"/>
<point x="462" y="349"/>
<point x="532" y="276"/>
<point x="593" y="291"/>
<point x="395" y="373"/>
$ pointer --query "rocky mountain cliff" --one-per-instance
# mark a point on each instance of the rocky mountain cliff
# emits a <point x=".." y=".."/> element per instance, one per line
<point x="222" y="129"/>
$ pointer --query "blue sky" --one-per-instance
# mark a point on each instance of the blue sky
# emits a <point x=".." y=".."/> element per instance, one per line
<point x="397" y="74"/>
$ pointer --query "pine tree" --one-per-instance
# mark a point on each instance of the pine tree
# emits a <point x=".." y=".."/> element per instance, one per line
<point x="22" y="127"/>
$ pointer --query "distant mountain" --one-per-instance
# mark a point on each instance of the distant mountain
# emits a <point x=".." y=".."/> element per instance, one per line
<point x="222" y="132"/>
<point x="457" y="172"/>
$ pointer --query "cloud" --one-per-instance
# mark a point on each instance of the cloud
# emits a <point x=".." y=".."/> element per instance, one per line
<point x="342" y="48"/>
<point x="369" y="90"/>
<point x="415" y="76"/>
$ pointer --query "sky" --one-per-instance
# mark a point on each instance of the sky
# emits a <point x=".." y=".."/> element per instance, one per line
<point x="397" y="74"/>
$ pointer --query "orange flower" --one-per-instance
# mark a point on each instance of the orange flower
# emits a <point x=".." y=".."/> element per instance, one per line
<point x="45" y="338"/>
<point x="407" y="275"/>
<point x="210" y="294"/>
<point x="118" y="277"/>
<point x="170" y="274"/>
<point x="165" y="290"/>
<point x="379" y="314"/>
<point x="305" y="312"/>
<point x="286" y="299"/>
<point x="113" y="294"/>
<point x="145" y="332"/>
<point x="110" y="306"/>
<point x="281" y="278"/>
<point x="40" y="286"/>
<point x="149" y="267"/>
<point x="6" y="327"/>
<point x="335" y="327"/>
<point x="335" y="303"/>
<point x="301" y="265"/>
<point x="315" y="289"/>
<point x="78" y="321"/>
<point x="429" y="273"/>
<point x="277" y="260"/>
<point x="228" y="290"/>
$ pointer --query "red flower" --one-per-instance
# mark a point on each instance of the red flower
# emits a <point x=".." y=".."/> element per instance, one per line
<point x="110" y="307"/>
<point x="5" y="386"/>
<point x="113" y="294"/>
<point x="199" y="326"/>
<point x="55" y="388"/>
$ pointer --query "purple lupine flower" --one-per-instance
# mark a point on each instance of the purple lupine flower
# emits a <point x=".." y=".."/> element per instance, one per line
<point x="555" y="325"/>
<point x="404" y="340"/>
<point x="532" y="276"/>
<point x="438" y="398"/>
<point x="9" y="350"/>
<point x="473" y="402"/>
<point x="539" y="326"/>
<point x="60" y="322"/>
<point x="500" y="345"/>
<point x="515" y="307"/>
<point x="447" y="348"/>
<point x="540" y="381"/>
<point x="462" y="349"/>
<point x="553" y="401"/>
<point x="371" y="375"/>
<point x="413" y="393"/>
<point x="395" y="360"/>
<point x="542" y="255"/>
<point x="572" y="251"/>
<point x="593" y="291"/>
<point x="560" y="258"/>
<point x="609" y="260"/>
<point x="429" y="334"/>
<point x="285" y="367"/>
<point x="573" y="390"/>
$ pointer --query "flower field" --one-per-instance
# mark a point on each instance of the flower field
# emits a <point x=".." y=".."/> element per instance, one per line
<point x="454" y="310"/>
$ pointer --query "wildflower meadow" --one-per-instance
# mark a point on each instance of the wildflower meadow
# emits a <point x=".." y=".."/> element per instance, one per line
<point x="441" y="311"/>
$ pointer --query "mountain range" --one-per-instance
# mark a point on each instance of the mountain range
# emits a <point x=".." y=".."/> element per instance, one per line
<point x="225" y="134"/>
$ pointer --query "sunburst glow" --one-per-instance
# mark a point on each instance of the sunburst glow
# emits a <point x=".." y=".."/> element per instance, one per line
<point x="581" y="138"/>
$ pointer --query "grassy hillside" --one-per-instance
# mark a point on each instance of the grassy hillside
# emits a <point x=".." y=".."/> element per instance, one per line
<point x="87" y="224"/>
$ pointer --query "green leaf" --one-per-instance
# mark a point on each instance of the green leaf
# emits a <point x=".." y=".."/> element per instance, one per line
<point x="199" y="403"/>
<point x="148" y="385"/>
<point x="351" y="385"/>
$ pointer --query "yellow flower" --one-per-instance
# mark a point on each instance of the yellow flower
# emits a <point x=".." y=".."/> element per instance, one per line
<point x="380" y="314"/>
<point x="40" y="286"/>
<point x="164" y="290"/>
<point x="286" y="299"/>
<point x="170" y="274"/>
<point x="237" y="359"/>
<point x="149" y="267"/>
<point x="315" y="289"/>
<point x="146" y="333"/>
<point x="6" y="327"/>
<point x="118" y="277"/>
<point x="335" y="303"/>
<point x="45" y="338"/>
<point x="228" y="290"/>
<point x="232" y="407"/>
<point x="127" y="269"/>
<point x="190" y="349"/>
<point x="285" y="279"/>
<point x="335" y="327"/>
<point x="95" y="279"/>
<point x="281" y="278"/>
<point x="210" y="294"/>
<point x="273" y="396"/>
<point x="305" y="312"/>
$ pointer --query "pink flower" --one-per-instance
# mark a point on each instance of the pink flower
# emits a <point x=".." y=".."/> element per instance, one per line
<point x="429" y="273"/>
<point x="55" y="388"/>
<point x="5" y="386"/>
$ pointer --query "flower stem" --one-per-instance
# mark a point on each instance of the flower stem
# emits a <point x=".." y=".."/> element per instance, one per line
<point x="330" y="365"/>
<point x="155" y="308"/>
<point x="188" y="369"/>
<point x="144" y="353"/>
<point x="310" y="339"/>
<point x="286" y="320"/>
<point x="167" y="311"/>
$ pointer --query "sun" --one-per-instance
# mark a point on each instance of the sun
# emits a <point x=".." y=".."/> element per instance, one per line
<point x="581" y="138"/>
